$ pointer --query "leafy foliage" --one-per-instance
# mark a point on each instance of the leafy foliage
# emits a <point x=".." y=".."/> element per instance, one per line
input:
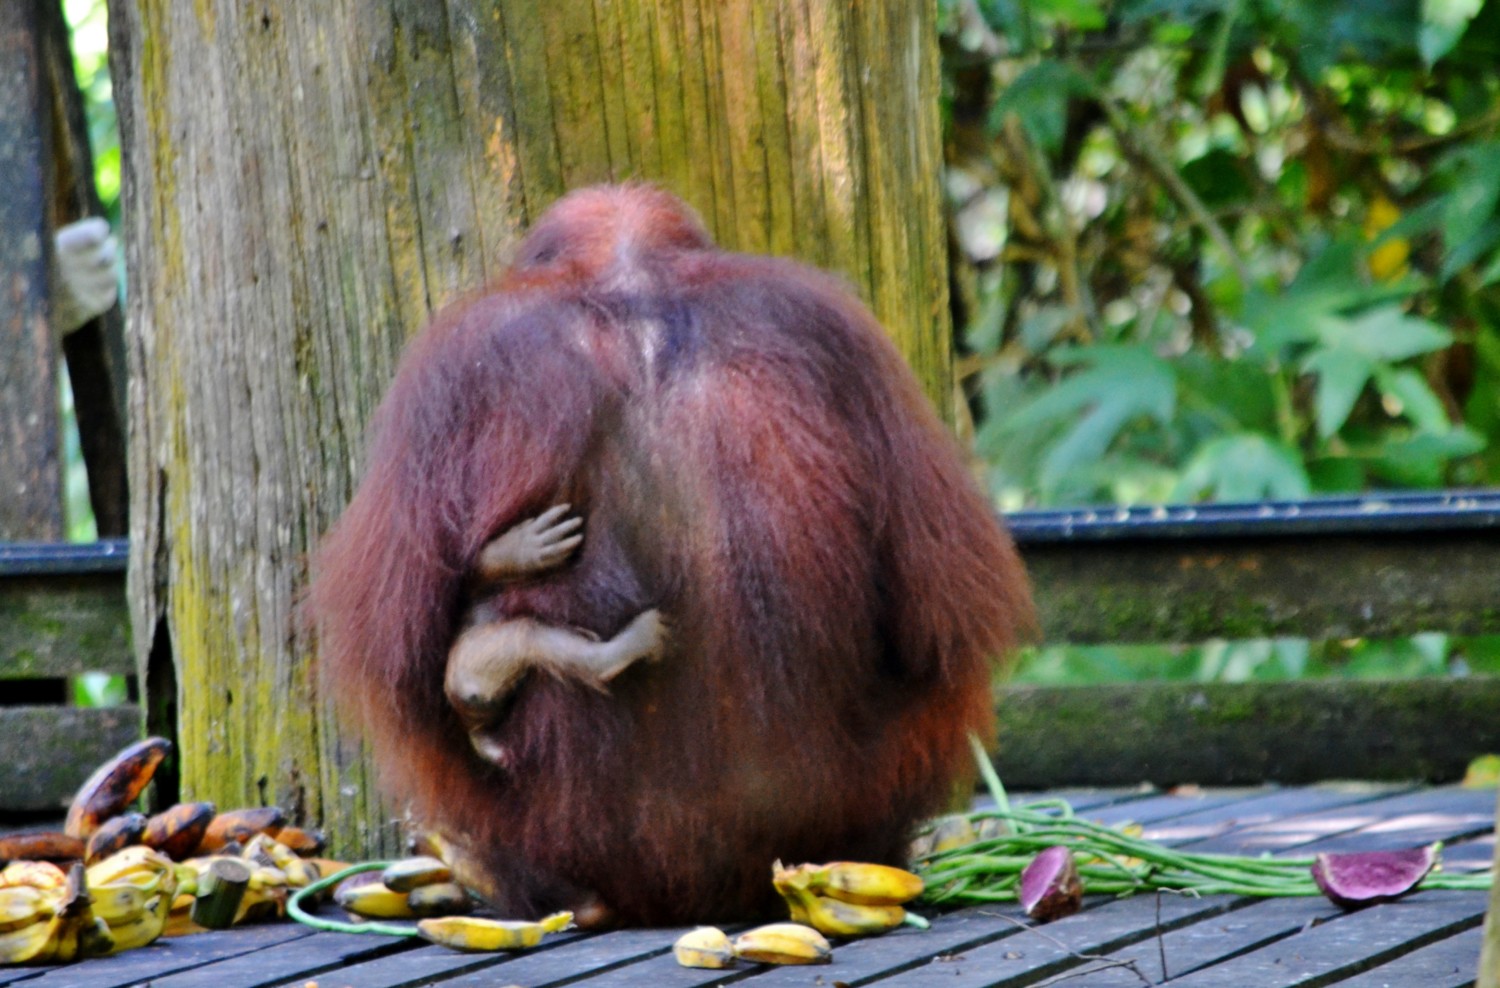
<point x="1228" y="250"/>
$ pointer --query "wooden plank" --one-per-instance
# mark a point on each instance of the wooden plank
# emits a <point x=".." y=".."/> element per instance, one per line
<point x="426" y="964"/>
<point x="1258" y="924"/>
<point x="1017" y="955"/>
<point x="597" y="956"/>
<point x="1348" y="944"/>
<point x="172" y="956"/>
<point x="304" y="959"/>
<point x="1237" y="818"/>
<point x="1244" y="733"/>
<point x="1316" y="586"/>
<point x="1402" y="820"/>
<point x="51" y="750"/>
<point x="62" y="625"/>
<point x="1449" y="963"/>
<point x="30" y="472"/>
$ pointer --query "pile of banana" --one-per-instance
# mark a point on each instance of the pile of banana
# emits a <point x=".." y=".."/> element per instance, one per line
<point x="423" y="886"/>
<point x="51" y="916"/>
<point x="113" y="879"/>
<point x="841" y="899"/>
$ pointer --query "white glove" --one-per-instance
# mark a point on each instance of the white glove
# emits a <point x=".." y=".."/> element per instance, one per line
<point x="87" y="283"/>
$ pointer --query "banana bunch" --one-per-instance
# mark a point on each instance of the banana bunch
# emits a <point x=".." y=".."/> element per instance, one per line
<point x="275" y="872"/>
<point x="132" y="892"/>
<point x="846" y="898"/>
<point x="411" y="887"/>
<point x="34" y="898"/>
<point x="475" y="933"/>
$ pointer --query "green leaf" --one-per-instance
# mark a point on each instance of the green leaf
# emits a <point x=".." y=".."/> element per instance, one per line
<point x="1342" y="373"/>
<point x="1474" y="174"/>
<point x="1410" y="390"/>
<point x="1039" y="97"/>
<point x="1387" y="333"/>
<point x="1443" y="23"/>
<point x="1117" y="385"/>
<point x="1243" y="467"/>
<point x="1421" y="459"/>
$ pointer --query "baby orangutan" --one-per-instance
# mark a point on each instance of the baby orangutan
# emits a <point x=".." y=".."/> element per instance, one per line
<point x="492" y="653"/>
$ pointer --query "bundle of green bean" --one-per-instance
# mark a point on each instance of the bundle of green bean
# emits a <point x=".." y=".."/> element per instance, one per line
<point x="1109" y="861"/>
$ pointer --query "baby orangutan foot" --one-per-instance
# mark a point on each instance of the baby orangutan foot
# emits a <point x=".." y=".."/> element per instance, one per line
<point x="643" y="639"/>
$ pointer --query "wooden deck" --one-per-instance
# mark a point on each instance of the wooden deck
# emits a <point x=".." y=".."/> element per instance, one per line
<point x="1430" y="939"/>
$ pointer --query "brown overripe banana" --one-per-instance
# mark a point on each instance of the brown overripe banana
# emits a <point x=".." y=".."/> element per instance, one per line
<point x="114" y="786"/>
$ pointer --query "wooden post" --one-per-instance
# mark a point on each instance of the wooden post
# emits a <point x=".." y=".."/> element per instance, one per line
<point x="30" y="475"/>
<point x="305" y="183"/>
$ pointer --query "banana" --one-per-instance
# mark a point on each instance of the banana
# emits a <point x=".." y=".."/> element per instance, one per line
<point x="119" y="904"/>
<point x="114" y="786"/>
<point x="239" y="826"/>
<point x="139" y="866"/>
<point x="302" y="842"/>
<point x="37" y="874"/>
<point x="141" y="928"/>
<point x="847" y="919"/>
<point x="864" y="884"/>
<point x="374" y="900"/>
<point x="40" y="845"/>
<point x="411" y="873"/>
<point x="114" y="834"/>
<point x="132" y="893"/>
<point x="556" y="922"/>
<point x="34" y="943"/>
<point x="177" y="831"/>
<point x="476" y="934"/>
<point x="23" y="905"/>
<point x="95" y="939"/>
<point x="442" y="899"/>
<point x="783" y="943"/>
<point x="945" y="834"/>
<point x="706" y="946"/>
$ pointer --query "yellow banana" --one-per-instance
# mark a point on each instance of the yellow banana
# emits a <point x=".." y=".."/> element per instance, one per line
<point x="849" y="919"/>
<point x="474" y="933"/>
<point x="266" y="877"/>
<point x="95" y="939"/>
<point x="374" y="900"/>
<point x="556" y="922"/>
<point x="411" y="873"/>
<point x="37" y="874"/>
<point x="783" y="943"/>
<point x="707" y="947"/>
<point x="23" y="905"/>
<point x="139" y="865"/>
<point x="864" y="884"/>
<point x="443" y="899"/>
<point x="119" y="904"/>
<point x="141" y="928"/>
<point x="29" y="944"/>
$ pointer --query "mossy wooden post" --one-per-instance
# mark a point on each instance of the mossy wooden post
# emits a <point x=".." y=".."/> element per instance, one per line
<point x="306" y="182"/>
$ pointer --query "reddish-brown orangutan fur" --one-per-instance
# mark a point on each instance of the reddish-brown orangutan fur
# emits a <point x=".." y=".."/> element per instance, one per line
<point x="750" y="455"/>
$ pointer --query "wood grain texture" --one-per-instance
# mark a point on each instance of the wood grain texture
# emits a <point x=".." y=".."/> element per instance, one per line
<point x="305" y="183"/>
<point x="30" y="474"/>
